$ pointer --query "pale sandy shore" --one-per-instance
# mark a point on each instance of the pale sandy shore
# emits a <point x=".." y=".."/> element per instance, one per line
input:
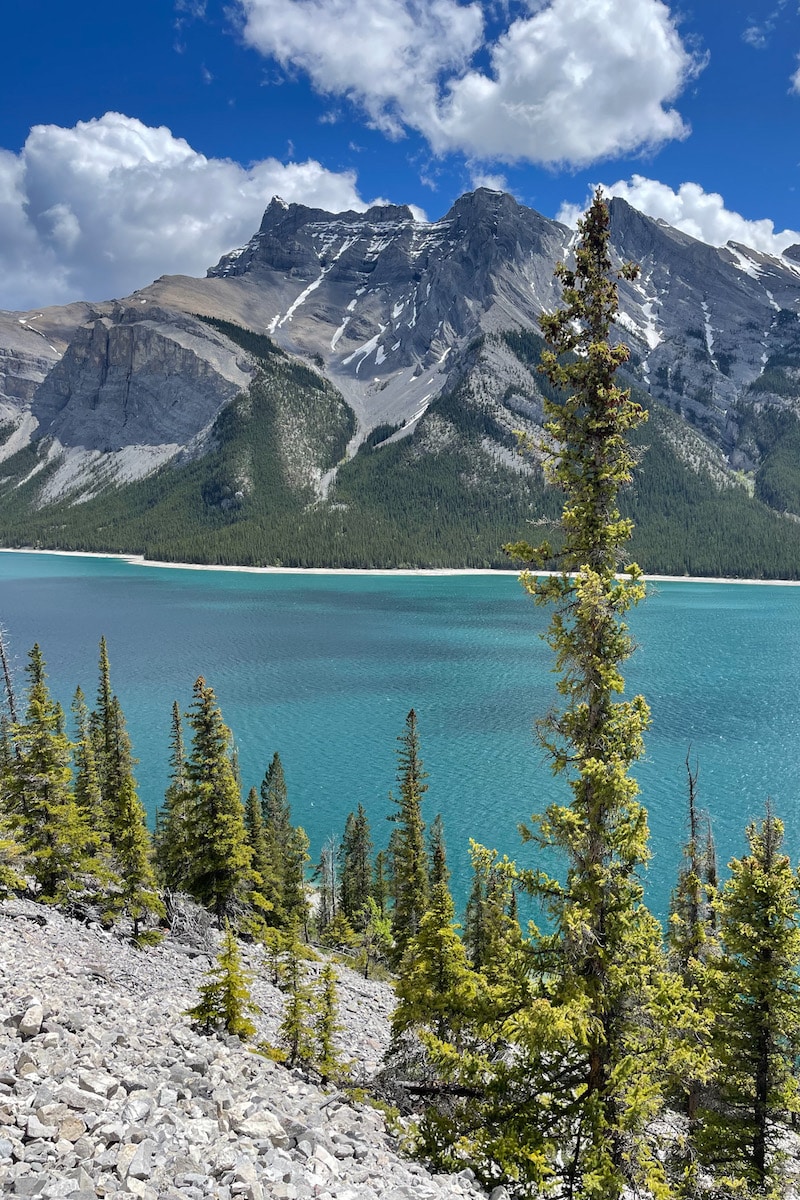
<point x="139" y="560"/>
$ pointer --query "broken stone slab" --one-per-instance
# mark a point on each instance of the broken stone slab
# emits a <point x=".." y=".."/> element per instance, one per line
<point x="141" y="1166"/>
<point x="263" y="1126"/>
<point x="71" y="1129"/>
<point x="99" y="1082"/>
<point x="35" y="1128"/>
<point x="31" y="1021"/>
<point x="125" y="1156"/>
<point x="75" y="1097"/>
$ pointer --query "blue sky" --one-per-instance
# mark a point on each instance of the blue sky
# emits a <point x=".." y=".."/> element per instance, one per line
<point x="139" y="139"/>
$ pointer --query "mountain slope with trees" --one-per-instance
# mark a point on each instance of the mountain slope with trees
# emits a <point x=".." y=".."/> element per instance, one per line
<point x="346" y="391"/>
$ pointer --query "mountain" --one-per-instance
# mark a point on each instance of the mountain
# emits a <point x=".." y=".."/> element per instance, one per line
<point x="346" y="389"/>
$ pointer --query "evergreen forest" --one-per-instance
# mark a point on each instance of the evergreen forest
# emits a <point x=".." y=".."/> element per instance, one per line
<point x="586" y="1053"/>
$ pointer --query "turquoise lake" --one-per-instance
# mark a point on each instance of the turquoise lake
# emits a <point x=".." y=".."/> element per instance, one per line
<point x="324" y="668"/>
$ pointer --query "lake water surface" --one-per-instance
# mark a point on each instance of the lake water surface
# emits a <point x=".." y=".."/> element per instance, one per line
<point x="324" y="668"/>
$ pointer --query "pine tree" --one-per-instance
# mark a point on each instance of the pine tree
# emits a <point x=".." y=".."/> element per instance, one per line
<point x="379" y="890"/>
<point x="8" y="686"/>
<point x="410" y="865"/>
<point x="137" y="894"/>
<point x="376" y="936"/>
<point x="254" y="824"/>
<point x="286" y="858"/>
<point x="692" y="918"/>
<point x="492" y="935"/>
<point x="173" y="828"/>
<point x="296" y="1030"/>
<point x="274" y="799"/>
<point x="295" y="891"/>
<point x="87" y="781"/>
<point x="45" y="818"/>
<point x="225" y="998"/>
<point x="220" y="874"/>
<point x="355" y="857"/>
<point x="101" y="721"/>
<point x="437" y="988"/>
<point x="603" y="969"/>
<point x="437" y="854"/>
<point x="692" y="936"/>
<point x="755" y="993"/>
<point x="11" y="855"/>
<point x="327" y="1059"/>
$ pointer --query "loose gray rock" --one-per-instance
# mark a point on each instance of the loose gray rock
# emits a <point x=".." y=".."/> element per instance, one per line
<point x="119" y="1097"/>
<point x="31" y="1021"/>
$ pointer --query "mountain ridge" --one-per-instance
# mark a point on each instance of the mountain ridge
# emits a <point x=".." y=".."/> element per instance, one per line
<point x="408" y="322"/>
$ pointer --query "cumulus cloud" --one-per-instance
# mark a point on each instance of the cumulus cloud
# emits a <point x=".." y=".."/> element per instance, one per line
<point x="794" y="80"/>
<point x="570" y="82"/>
<point x="95" y="211"/>
<point x="701" y="214"/>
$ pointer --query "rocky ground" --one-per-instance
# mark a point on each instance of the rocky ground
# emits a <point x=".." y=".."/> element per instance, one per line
<point x="106" y="1090"/>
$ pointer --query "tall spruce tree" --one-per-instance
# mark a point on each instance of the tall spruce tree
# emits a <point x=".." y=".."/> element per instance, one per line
<point x="379" y="890"/>
<point x="101" y="721"/>
<point x="755" y="994"/>
<point x="173" y="826"/>
<point x="355" y="859"/>
<point x="692" y="933"/>
<point x="439" y="872"/>
<point x="220" y="876"/>
<point x="45" y="818"/>
<point x="88" y="795"/>
<point x="254" y="823"/>
<point x="603" y="965"/>
<point x="286" y="851"/>
<point x="137" y="894"/>
<point x="410" y="860"/>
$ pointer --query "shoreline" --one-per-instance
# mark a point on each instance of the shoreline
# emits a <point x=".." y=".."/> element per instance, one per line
<point x="138" y="560"/>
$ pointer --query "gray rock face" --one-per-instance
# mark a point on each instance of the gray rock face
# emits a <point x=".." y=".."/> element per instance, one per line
<point x="118" y="1095"/>
<point x="379" y="291"/>
<point x="390" y="306"/>
<point x="143" y="377"/>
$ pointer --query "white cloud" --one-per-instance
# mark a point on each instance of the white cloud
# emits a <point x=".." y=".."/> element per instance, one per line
<point x="95" y="211"/>
<point x="385" y="54"/>
<point x="486" y="179"/>
<point x="572" y="81"/>
<point x="794" y="80"/>
<point x="702" y="215"/>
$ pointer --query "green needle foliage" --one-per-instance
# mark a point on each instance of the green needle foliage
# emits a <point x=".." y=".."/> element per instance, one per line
<point x="225" y="999"/>
<point x="409" y="857"/>
<point x="603" y="968"/>
<point x="296" y="1030"/>
<point x="327" y="1059"/>
<point x="172" y="840"/>
<point x="692" y="935"/>
<point x="437" y="987"/>
<point x="136" y="893"/>
<point x="220" y="874"/>
<point x="355" y="858"/>
<point x="88" y="794"/>
<point x="755" y="992"/>
<point x="45" y="817"/>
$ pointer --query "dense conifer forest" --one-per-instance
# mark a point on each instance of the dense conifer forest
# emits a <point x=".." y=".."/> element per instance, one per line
<point x="393" y="504"/>
<point x="588" y="1053"/>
